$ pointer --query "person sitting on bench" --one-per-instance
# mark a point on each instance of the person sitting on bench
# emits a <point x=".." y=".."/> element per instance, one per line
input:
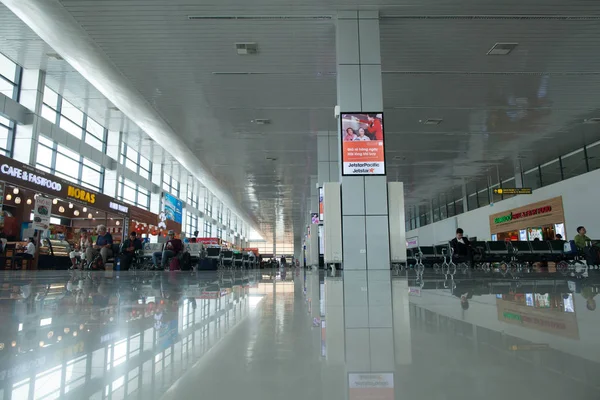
<point x="172" y="249"/>
<point x="103" y="245"/>
<point x="461" y="246"/>
<point x="130" y="246"/>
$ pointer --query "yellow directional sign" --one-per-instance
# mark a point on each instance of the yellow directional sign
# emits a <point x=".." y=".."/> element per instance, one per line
<point x="513" y="191"/>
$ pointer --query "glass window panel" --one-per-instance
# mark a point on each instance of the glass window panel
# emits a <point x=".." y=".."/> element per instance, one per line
<point x="50" y="97"/>
<point x="71" y="128"/>
<point x="91" y="177"/>
<point x="4" y="121"/>
<point x="49" y="114"/>
<point x="92" y="164"/>
<point x="45" y="141"/>
<point x="6" y="88"/>
<point x="531" y="179"/>
<point x="69" y="153"/>
<point x="483" y="197"/>
<point x="131" y="165"/>
<point x="44" y="156"/>
<point x="128" y="193"/>
<point x="3" y="137"/>
<point x="573" y="164"/>
<point x="132" y="154"/>
<point x="8" y="68"/>
<point x="144" y="173"/>
<point x="551" y="173"/>
<point x="72" y="112"/>
<point x="145" y="163"/>
<point x="593" y="153"/>
<point x="66" y="165"/>
<point x="95" y="128"/>
<point x="67" y="177"/>
<point x="472" y="202"/>
<point x="94" y="142"/>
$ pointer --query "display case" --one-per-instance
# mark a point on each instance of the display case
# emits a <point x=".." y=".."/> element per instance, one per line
<point x="55" y="247"/>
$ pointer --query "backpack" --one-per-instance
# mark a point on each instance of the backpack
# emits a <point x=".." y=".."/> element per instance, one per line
<point x="185" y="262"/>
<point x="97" y="263"/>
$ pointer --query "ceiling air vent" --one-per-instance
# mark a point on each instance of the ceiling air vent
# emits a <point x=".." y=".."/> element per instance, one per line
<point x="261" y="121"/>
<point x="244" y="49"/>
<point x="433" y="121"/>
<point x="502" y="49"/>
<point x="271" y="158"/>
<point x="114" y="108"/>
<point x="594" y="120"/>
<point x="56" y="56"/>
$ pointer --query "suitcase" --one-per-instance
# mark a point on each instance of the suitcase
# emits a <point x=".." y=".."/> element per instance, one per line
<point x="174" y="264"/>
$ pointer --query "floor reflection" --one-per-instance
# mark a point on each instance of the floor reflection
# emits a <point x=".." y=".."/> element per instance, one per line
<point x="298" y="334"/>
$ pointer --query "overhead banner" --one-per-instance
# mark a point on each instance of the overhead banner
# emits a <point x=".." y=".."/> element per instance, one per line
<point x="363" y="150"/>
<point x="41" y="213"/>
<point x="173" y="208"/>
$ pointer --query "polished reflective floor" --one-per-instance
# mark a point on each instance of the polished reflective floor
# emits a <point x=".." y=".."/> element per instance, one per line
<point x="296" y="334"/>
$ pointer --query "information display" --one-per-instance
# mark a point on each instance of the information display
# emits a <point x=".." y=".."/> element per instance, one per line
<point x="363" y="150"/>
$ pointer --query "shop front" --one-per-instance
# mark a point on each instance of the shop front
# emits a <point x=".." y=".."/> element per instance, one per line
<point x="67" y="209"/>
<point x="542" y="220"/>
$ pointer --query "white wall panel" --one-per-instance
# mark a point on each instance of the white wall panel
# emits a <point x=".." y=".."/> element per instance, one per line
<point x="580" y="197"/>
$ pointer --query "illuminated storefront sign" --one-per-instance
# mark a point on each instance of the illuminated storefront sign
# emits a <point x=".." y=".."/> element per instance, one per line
<point x="81" y="194"/>
<point x="28" y="176"/>
<point x="523" y="214"/>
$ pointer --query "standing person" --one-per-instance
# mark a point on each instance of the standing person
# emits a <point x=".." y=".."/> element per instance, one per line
<point x="361" y="136"/>
<point x="130" y="246"/>
<point x="461" y="246"/>
<point x="375" y="128"/>
<point x="81" y="249"/>
<point x="172" y="248"/>
<point x="195" y="238"/>
<point x="283" y="262"/>
<point x="350" y="135"/>
<point x="104" y="243"/>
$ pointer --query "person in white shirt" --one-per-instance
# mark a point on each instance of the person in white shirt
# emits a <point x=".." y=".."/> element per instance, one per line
<point x="84" y="243"/>
<point x="361" y="136"/>
<point x="30" y="249"/>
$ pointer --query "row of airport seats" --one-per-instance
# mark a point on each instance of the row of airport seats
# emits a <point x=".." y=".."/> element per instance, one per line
<point x="221" y="258"/>
<point x="484" y="253"/>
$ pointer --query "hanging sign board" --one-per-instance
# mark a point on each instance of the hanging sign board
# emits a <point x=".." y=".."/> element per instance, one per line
<point x="41" y="213"/>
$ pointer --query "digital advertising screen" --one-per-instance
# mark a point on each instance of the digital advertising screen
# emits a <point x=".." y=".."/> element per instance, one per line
<point x="321" y="204"/>
<point x="173" y="208"/>
<point x="363" y="150"/>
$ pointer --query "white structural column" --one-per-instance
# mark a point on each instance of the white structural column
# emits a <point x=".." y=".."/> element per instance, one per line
<point x="312" y="242"/>
<point x="365" y="229"/>
<point x="328" y="152"/>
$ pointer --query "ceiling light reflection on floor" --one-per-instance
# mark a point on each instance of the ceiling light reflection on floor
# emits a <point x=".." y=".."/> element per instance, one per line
<point x="254" y="301"/>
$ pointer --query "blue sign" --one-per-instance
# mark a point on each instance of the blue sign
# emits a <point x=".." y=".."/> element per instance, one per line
<point x="173" y="208"/>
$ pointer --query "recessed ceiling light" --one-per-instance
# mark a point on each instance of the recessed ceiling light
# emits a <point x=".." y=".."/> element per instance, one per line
<point x="502" y="49"/>
<point x="594" y="120"/>
<point x="56" y="56"/>
<point x="244" y="49"/>
<point x="433" y="121"/>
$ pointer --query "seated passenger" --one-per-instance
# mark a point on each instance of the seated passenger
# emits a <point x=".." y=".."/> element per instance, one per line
<point x="581" y="239"/>
<point x="460" y="245"/>
<point x="172" y="249"/>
